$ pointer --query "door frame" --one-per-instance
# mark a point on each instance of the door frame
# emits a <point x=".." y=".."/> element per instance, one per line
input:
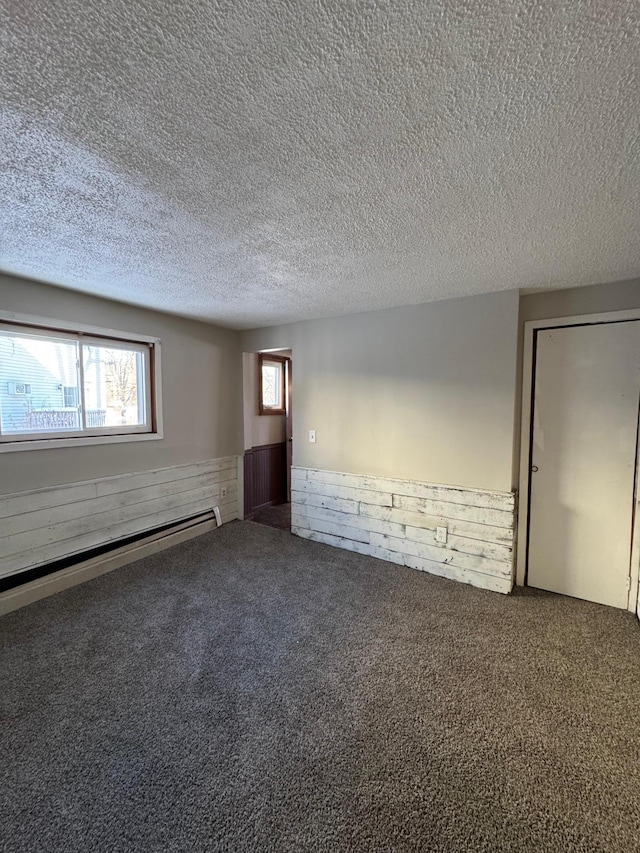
<point x="531" y="327"/>
<point x="288" y="422"/>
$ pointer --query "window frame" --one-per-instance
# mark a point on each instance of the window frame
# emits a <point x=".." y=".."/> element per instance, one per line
<point x="81" y="334"/>
<point x="272" y="410"/>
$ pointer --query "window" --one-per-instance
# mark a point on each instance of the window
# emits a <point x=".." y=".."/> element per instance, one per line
<point x="81" y="386"/>
<point x="70" y="394"/>
<point x="272" y="388"/>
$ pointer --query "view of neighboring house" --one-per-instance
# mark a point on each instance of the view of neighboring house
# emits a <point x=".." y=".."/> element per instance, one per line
<point x="41" y="380"/>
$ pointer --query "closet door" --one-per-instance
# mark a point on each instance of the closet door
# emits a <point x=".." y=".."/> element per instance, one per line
<point x="585" y="427"/>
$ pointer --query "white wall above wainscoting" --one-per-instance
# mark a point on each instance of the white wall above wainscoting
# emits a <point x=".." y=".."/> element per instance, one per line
<point x="396" y="520"/>
<point x="44" y="525"/>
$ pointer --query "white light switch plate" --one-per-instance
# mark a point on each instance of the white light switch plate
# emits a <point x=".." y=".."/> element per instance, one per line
<point x="312" y="436"/>
<point x="441" y="535"/>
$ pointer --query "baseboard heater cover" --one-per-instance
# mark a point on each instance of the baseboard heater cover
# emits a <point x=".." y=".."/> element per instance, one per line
<point x="20" y="578"/>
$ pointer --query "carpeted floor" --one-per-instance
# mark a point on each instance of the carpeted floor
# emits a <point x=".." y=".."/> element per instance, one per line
<point x="252" y="691"/>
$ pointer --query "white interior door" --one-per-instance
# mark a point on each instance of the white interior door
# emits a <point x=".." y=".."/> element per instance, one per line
<point x="585" y="425"/>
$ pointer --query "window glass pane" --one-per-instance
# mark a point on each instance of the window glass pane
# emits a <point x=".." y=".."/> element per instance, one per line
<point x="70" y="396"/>
<point x="113" y="386"/>
<point x="38" y="384"/>
<point x="271" y="385"/>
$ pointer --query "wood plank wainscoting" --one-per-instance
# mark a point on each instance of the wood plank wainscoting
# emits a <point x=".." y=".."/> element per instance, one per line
<point x="265" y="476"/>
<point x="66" y="524"/>
<point x="396" y="520"/>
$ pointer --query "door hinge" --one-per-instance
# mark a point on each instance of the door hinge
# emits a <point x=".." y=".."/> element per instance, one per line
<point x="629" y="584"/>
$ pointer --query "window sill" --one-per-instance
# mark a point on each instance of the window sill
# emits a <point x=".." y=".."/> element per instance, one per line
<point x="83" y="441"/>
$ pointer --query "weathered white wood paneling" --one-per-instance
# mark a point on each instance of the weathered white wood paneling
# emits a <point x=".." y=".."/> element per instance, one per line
<point x="365" y="522"/>
<point x="352" y="533"/>
<point x="413" y="488"/>
<point x="468" y="529"/>
<point x="349" y="492"/>
<point x="40" y="526"/>
<point x="475" y="514"/>
<point x="337" y="504"/>
<point x="396" y="520"/>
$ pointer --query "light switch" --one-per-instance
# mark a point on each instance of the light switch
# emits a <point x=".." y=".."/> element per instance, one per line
<point x="312" y="436"/>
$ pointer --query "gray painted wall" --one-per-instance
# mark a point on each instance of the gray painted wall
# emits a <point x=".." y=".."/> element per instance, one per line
<point x="423" y="392"/>
<point x="202" y="391"/>
<point x="618" y="296"/>
<point x="595" y="299"/>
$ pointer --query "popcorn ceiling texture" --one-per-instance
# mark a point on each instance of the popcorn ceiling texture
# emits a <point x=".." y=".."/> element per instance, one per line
<point x="256" y="163"/>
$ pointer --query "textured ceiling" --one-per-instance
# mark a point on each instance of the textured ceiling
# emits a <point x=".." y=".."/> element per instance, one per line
<point x="258" y="162"/>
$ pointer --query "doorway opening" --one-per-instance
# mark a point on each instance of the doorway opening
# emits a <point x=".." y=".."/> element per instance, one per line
<point x="578" y="524"/>
<point x="268" y="436"/>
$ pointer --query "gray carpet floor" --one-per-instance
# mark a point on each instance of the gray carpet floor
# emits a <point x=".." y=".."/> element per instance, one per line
<point x="252" y="691"/>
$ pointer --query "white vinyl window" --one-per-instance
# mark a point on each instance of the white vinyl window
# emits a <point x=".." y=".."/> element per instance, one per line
<point x="75" y="385"/>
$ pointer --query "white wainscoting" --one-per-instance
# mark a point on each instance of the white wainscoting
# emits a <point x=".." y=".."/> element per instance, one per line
<point x="396" y="520"/>
<point x="44" y="525"/>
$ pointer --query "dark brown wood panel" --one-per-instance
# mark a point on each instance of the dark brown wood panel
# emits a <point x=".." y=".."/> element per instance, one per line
<point x="265" y="476"/>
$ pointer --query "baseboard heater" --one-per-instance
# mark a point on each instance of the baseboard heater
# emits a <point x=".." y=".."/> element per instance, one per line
<point x="20" y="578"/>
